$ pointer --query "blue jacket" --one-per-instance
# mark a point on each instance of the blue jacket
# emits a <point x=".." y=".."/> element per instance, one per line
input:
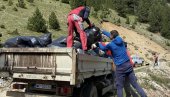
<point x="117" y="48"/>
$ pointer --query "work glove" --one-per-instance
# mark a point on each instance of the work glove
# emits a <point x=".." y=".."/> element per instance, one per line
<point x="101" y="53"/>
<point x="93" y="46"/>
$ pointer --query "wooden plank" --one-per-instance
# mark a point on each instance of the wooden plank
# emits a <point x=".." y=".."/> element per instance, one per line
<point x="36" y="50"/>
<point x="85" y="57"/>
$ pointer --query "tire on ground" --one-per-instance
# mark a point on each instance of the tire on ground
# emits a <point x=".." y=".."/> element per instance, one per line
<point x="89" y="90"/>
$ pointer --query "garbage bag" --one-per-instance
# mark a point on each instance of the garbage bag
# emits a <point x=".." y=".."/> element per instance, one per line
<point x="29" y="41"/>
<point x="93" y="35"/>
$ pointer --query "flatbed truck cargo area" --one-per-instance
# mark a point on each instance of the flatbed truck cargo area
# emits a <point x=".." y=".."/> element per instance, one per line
<point x="57" y="71"/>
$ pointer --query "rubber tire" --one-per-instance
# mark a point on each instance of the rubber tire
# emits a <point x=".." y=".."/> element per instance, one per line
<point x="89" y="90"/>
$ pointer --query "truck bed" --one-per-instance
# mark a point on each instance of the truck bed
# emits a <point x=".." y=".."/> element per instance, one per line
<point x="58" y="64"/>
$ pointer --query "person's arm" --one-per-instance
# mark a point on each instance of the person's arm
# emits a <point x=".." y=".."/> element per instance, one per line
<point x="88" y="22"/>
<point x="106" y="33"/>
<point x="104" y="48"/>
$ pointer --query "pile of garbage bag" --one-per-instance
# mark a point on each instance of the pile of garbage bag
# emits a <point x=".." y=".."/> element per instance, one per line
<point x="93" y="35"/>
<point x="29" y="41"/>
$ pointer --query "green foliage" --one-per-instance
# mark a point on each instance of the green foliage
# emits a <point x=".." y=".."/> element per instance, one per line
<point x="143" y="10"/>
<point x="105" y="13"/>
<point x="31" y="1"/>
<point x="15" y="32"/>
<point x="76" y="3"/>
<point x="53" y="22"/>
<point x="36" y="22"/>
<point x="155" y="17"/>
<point x="5" y="0"/>
<point x="165" y="29"/>
<point x="10" y="2"/>
<point x="65" y="1"/>
<point x="21" y="4"/>
<point x="124" y="7"/>
<point x="167" y="43"/>
<point x="127" y="20"/>
<point x="3" y="7"/>
<point x="2" y="26"/>
<point x="15" y="9"/>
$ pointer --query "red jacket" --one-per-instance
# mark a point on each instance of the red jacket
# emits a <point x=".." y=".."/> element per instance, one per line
<point x="83" y="12"/>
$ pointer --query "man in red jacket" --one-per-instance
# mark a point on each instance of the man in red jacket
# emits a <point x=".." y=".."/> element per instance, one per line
<point x="75" y="23"/>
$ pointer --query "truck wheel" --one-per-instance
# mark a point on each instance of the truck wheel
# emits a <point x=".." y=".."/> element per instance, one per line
<point x="89" y="90"/>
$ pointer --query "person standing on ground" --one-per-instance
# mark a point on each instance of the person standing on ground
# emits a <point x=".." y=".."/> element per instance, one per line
<point x="75" y="23"/>
<point x="155" y="59"/>
<point x="121" y="60"/>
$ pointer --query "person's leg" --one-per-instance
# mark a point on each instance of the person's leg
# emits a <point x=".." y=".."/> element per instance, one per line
<point x="120" y="78"/>
<point x="70" y="31"/>
<point x="83" y="37"/>
<point x="127" y="87"/>
<point x="133" y="82"/>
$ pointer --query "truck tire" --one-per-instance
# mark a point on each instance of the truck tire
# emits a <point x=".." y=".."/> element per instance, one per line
<point x="89" y="90"/>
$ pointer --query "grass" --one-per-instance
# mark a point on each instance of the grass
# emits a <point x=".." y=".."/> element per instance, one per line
<point x="160" y="80"/>
<point x="18" y="19"/>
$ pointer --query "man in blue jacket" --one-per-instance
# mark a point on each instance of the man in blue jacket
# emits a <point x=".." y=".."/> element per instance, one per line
<point x="121" y="60"/>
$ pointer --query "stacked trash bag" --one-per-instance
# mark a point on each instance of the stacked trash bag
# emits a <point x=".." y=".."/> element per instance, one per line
<point x="93" y="36"/>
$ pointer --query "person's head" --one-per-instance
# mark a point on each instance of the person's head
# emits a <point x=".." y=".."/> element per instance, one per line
<point x="86" y="12"/>
<point x="113" y="34"/>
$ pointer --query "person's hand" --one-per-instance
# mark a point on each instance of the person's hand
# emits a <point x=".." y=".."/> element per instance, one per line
<point x="93" y="46"/>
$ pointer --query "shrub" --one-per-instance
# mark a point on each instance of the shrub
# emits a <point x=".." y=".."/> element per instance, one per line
<point x="127" y="20"/>
<point x="31" y="1"/>
<point x="65" y="1"/>
<point x="2" y="26"/>
<point x="3" y="7"/>
<point x="21" y="4"/>
<point x="53" y="22"/>
<point x="15" y="9"/>
<point x="10" y="3"/>
<point x="167" y="43"/>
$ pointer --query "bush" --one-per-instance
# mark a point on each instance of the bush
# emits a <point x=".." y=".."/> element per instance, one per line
<point x="65" y="1"/>
<point x="31" y="1"/>
<point x="2" y="26"/>
<point x="167" y="43"/>
<point x="15" y="9"/>
<point x="127" y="20"/>
<point x="10" y="3"/>
<point x="5" y="0"/>
<point x="3" y="7"/>
<point x="53" y="22"/>
<point x="37" y="22"/>
<point x="21" y="4"/>
<point x="15" y="32"/>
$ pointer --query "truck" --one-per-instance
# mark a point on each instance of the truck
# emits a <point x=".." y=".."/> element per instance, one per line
<point x="56" y="72"/>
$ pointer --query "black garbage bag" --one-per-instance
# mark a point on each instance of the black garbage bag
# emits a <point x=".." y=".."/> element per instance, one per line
<point x="59" y="42"/>
<point x="93" y="35"/>
<point x="29" y="41"/>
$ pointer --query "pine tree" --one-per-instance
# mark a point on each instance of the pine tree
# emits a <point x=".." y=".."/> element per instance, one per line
<point x="53" y="22"/>
<point x="21" y="4"/>
<point x="36" y="22"/>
